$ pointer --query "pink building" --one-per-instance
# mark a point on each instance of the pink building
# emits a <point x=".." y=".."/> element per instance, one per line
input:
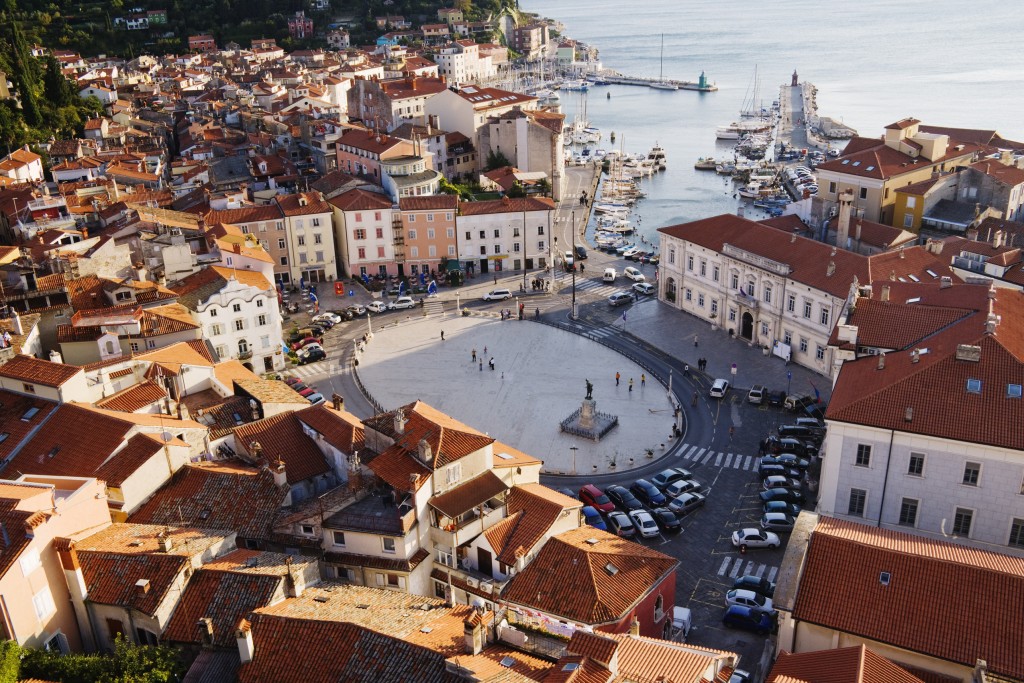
<point x="428" y="234"/>
<point x="36" y="610"/>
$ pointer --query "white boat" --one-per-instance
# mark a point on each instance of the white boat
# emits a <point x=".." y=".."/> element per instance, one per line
<point x="726" y="133"/>
<point x="575" y="85"/>
<point x="661" y="83"/>
<point x="546" y="95"/>
<point x="657" y="156"/>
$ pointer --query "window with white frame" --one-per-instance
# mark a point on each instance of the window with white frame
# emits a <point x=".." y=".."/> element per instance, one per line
<point x="787" y="337"/>
<point x="962" y="519"/>
<point x="689" y="263"/>
<point x="807" y="309"/>
<point x="388" y="544"/>
<point x="863" y="458"/>
<point x="714" y="306"/>
<point x="764" y="329"/>
<point x="430" y="234"/>
<point x="445" y="556"/>
<point x="412" y="234"/>
<point x="803" y="344"/>
<point x="237" y="308"/>
<point x="453" y="473"/>
<point x="703" y="268"/>
<point x="338" y="538"/>
<point x="858" y="500"/>
<point x="261" y="320"/>
<point x="732" y="315"/>
<point x="688" y="295"/>
<point x="791" y="303"/>
<point x="767" y="293"/>
<point x="915" y="467"/>
<point x="43" y="603"/>
<point x="714" y="273"/>
<point x="672" y="255"/>
<point x="819" y="352"/>
<point x="825" y="315"/>
<point x="30" y="561"/>
<point x="700" y="300"/>
<point x="972" y="473"/>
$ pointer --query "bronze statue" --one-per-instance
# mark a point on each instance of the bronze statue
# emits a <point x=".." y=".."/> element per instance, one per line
<point x="590" y="389"/>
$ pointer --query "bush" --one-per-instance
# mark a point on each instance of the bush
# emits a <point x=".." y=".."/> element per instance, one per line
<point x="129" y="664"/>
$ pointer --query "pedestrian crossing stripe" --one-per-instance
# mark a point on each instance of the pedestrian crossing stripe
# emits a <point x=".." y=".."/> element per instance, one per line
<point x="740" y="566"/>
<point x="736" y="461"/>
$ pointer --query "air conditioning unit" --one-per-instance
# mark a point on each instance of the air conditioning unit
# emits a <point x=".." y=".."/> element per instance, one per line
<point x="472" y="582"/>
<point x="833" y="212"/>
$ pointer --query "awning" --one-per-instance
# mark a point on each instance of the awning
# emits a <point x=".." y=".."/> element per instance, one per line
<point x="464" y="498"/>
<point x="453" y="264"/>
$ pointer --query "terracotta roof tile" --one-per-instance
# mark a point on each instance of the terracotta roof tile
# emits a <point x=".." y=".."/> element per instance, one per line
<point x="980" y="623"/>
<point x="136" y="453"/>
<point x="224" y="598"/>
<point x="36" y="371"/>
<point x="135" y="397"/>
<point x="292" y="206"/>
<point x="196" y="495"/>
<point x="375" y="562"/>
<point x="468" y="495"/>
<point x="597" y="596"/>
<point x="449" y="439"/>
<point x="506" y="205"/>
<point x="439" y="202"/>
<point x="13" y="426"/>
<point x="650" y="659"/>
<point x="58" y="449"/>
<point x="532" y="510"/>
<point x="340" y="428"/>
<point x="16" y="539"/>
<point x="139" y="539"/>
<point x="844" y="665"/>
<point x="111" y="578"/>
<point x="502" y="664"/>
<point x="506" y="456"/>
<point x="360" y="200"/>
<point x="282" y="438"/>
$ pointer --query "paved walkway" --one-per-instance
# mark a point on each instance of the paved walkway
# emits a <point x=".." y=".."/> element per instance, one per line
<point x="538" y="381"/>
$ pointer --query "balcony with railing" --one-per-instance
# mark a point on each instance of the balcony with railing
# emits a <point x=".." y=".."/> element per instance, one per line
<point x="748" y="300"/>
<point x="455" y="532"/>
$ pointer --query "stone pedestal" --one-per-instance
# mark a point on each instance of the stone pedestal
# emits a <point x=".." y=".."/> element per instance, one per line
<point x="587" y="412"/>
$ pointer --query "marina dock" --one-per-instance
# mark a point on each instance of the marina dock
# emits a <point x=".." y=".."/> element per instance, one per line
<point x="700" y="85"/>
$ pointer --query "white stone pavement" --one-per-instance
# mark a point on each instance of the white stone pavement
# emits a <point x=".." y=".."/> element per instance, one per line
<point x="539" y="379"/>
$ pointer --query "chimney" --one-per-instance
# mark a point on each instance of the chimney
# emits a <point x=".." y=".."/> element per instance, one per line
<point x="236" y="247"/>
<point x="915" y="356"/>
<point x="142" y="587"/>
<point x="859" y="227"/>
<point x="400" y="421"/>
<point x="18" y="327"/>
<point x="972" y="234"/>
<point x="908" y="414"/>
<point x="243" y="637"/>
<point x="473" y="630"/>
<point x="831" y="270"/>
<point x="206" y="631"/>
<point x="881" y="361"/>
<point x="843" y="222"/>
<point x="968" y="353"/>
<point x="792" y="238"/>
<point x="991" y="323"/>
<point x="292" y="580"/>
<point x="338" y="401"/>
<point x="997" y="239"/>
<point x="425" y="452"/>
<point x="945" y="282"/>
<point x="280" y="475"/>
<point x="885" y="292"/>
<point x="634" y="626"/>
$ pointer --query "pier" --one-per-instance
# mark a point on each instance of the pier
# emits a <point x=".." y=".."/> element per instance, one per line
<point x="614" y="78"/>
<point x="800" y="126"/>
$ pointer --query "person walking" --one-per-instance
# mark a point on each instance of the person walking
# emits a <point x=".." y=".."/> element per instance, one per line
<point x="442" y="335"/>
<point x="495" y="279"/>
<point x="631" y="384"/>
<point x="732" y="431"/>
<point x="695" y="341"/>
<point x="617" y="379"/>
<point x="491" y="362"/>
<point x="694" y="401"/>
<point x="643" y="380"/>
<point x="474" y="355"/>
<point x="481" y="364"/>
<point x="686" y="370"/>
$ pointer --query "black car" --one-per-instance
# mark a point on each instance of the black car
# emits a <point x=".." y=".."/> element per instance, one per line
<point x="769" y="467"/>
<point x="800" y="433"/>
<point x="581" y="252"/>
<point x="312" y="356"/>
<point x="790" y="460"/>
<point x="784" y="494"/>
<point x="791" y="509"/>
<point x="775" y="445"/>
<point x="568" y="492"/>
<point x="776" y="398"/>
<point x="758" y="584"/>
<point x="648" y="493"/>
<point x="623" y="499"/>
<point x="667" y="520"/>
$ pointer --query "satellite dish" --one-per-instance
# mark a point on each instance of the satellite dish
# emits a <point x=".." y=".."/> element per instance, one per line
<point x="166" y="436"/>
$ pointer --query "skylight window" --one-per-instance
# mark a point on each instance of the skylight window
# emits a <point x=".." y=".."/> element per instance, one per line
<point x="901" y="279"/>
<point x="914" y="300"/>
<point x="856" y="163"/>
<point x="611" y="569"/>
<point x="845" y="161"/>
<point x="507" y="662"/>
<point x="29" y="414"/>
<point x="914" y="278"/>
<point x="974" y="386"/>
<point x="1013" y="391"/>
<point x="870" y="168"/>
<point x="931" y="272"/>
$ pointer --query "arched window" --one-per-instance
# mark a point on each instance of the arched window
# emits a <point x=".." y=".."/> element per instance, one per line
<point x="243" y="346"/>
<point x="659" y="607"/>
<point x="110" y="347"/>
<point x="670" y="289"/>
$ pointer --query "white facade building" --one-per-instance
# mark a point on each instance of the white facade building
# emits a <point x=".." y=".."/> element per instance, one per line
<point x="505" y="234"/>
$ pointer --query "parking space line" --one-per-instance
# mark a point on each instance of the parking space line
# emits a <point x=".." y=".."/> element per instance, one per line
<point x="772" y="573"/>
<point x="747" y="462"/>
<point x="728" y="460"/>
<point x="718" y="460"/>
<point x="725" y="565"/>
<point x="708" y="457"/>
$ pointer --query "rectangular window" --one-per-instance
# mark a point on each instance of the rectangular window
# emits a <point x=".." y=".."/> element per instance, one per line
<point x="714" y="306"/>
<point x="448" y="217"/>
<point x="388" y="544"/>
<point x="515" y="247"/>
<point x="412" y="218"/>
<point x="858" y="497"/>
<point x="430" y="218"/>
<point x="339" y="538"/>
<point x="863" y="455"/>
<point x="908" y="512"/>
<point x="360" y="234"/>
<point x="497" y="248"/>
<point x="787" y="337"/>
<point x="361" y="251"/>
<point x="672" y="256"/>
<point x="972" y="471"/>
<point x="803" y="345"/>
<point x="734" y="281"/>
<point x="303" y="257"/>
<point x="284" y="260"/>
<point x="689" y="295"/>
<point x="703" y="268"/>
<point x="700" y="300"/>
<point x="791" y="303"/>
<point x="1017" y="533"/>
<point x="280" y="243"/>
<point x="819" y="352"/>
<point x="376" y="215"/>
<point x="916" y="466"/>
<point x="432" y="251"/>
<point x="832" y="188"/>
<point x="732" y="315"/>
<point x="483" y="234"/>
<point x="863" y="193"/>
<point x="450" y="233"/>
<point x="318" y="239"/>
<point x="714" y="273"/>
<point x="380" y="252"/>
<point x="824" y="317"/>
<point x="213" y="312"/>
<point x="430" y="234"/>
<point x="237" y="308"/>
<point x="380" y="233"/>
<point x="764" y="329"/>
<point x="239" y="325"/>
<point x="261" y="320"/>
<point x="414" y="252"/>
<point x="807" y="310"/>
<point x="316" y="222"/>
<point x="962" y="522"/>
<point x="412" y="234"/>
<point x="767" y="294"/>
<point x="216" y="330"/>
<point x="29" y="561"/>
<point x="302" y="241"/>
<point x="43" y="603"/>
<point x="908" y="220"/>
<point x="497" y="233"/>
<point x="319" y="256"/>
<point x="689" y="263"/>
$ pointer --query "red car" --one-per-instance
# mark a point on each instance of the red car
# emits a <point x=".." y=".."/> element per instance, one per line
<point x="591" y="495"/>
<point x="303" y="343"/>
<point x="307" y="392"/>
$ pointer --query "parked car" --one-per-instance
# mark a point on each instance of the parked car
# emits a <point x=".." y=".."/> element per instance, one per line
<point x="644" y="523"/>
<point x="497" y="295"/>
<point x="581" y="252"/>
<point x="788" y="495"/>
<point x="754" y="538"/>
<point x="800" y="433"/>
<point x="591" y="495"/>
<point x="376" y="307"/>
<point x="623" y="499"/>
<point x="811" y="423"/>
<point x="758" y="584"/>
<point x="672" y="474"/>
<point x="719" y="389"/>
<point x="682" y="621"/>
<point x="634" y="274"/>
<point x="776" y="398"/>
<point x="292" y="381"/>
<point x="620" y="524"/>
<point x="778" y="522"/>
<point x="774" y="481"/>
<point x="307" y="392"/>
<point x="769" y="467"/>
<point x="678" y="488"/>
<point x="775" y="445"/>
<point x="648" y="493"/>
<point x="312" y="356"/>
<point x="356" y="310"/>
<point x="592" y="517"/>
<point x="740" y="676"/>
<point x="791" y="460"/>
<point x="785" y="507"/>
<point x="747" y="598"/>
<point x="316" y="399"/>
<point x="667" y="520"/>
<point x="749" y="619"/>
<point x="756" y="394"/>
<point x="686" y="503"/>
<point x="797" y="404"/>
<point x="333" y="318"/>
<point x="645" y="288"/>
<point x="402" y="302"/>
<point x="619" y="299"/>
<point x="306" y="341"/>
<point x="299" y="387"/>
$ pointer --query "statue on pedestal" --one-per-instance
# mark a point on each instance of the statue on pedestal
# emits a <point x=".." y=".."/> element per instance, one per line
<point x="590" y="389"/>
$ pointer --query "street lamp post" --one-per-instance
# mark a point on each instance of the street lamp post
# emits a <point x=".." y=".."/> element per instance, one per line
<point x="572" y="232"/>
<point x="574" y="449"/>
<point x="789" y="381"/>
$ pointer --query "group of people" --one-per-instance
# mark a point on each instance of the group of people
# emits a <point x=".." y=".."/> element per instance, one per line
<point x="490" y="363"/>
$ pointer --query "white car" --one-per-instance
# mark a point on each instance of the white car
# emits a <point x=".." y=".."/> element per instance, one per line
<point x="332" y="317"/>
<point x="678" y="488"/>
<point x="634" y="274"/>
<point x="497" y="295"/>
<point x="644" y="523"/>
<point x="755" y="538"/>
<point x="644" y="288"/>
<point x="402" y="302"/>
<point x="376" y="307"/>
<point x="719" y="389"/>
<point x="745" y="598"/>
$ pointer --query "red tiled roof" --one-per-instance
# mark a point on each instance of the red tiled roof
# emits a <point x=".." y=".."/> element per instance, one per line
<point x="111" y="578"/>
<point x="36" y="371"/>
<point x="13" y="407"/>
<point x="596" y="595"/>
<point x="980" y="623"/>
<point x="361" y="200"/>
<point x="59" y="449"/>
<point x="291" y="205"/>
<point x="294" y="651"/>
<point x="532" y="510"/>
<point x="845" y="665"/>
<point x="223" y="597"/>
<point x="882" y="162"/>
<point x="196" y="495"/>
<point x="136" y="453"/>
<point x="16" y="538"/>
<point x="340" y="428"/>
<point x="282" y="438"/>
<point x="248" y="214"/>
<point x="371" y="141"/>
<point x="437" y="202"/>
<point x="133" y="398"/>
<point x="506" y="205"/>
<point x="1007" y="175"/>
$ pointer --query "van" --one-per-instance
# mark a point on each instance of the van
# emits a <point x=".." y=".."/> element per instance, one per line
<point x="609" y="275"/>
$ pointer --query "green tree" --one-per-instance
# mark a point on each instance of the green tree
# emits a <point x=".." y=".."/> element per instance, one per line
<point x="56" y="88"/>
<point x="129" y="664"/>
<point x="496" y="160"/>
<point x="517" y="190"/>
<point x="10" y="661"/>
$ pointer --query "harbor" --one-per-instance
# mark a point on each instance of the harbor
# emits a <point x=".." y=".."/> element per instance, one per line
<point x="700" y="85"/>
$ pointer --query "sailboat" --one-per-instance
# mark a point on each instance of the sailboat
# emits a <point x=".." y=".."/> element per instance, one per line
<point x="661" y="83"/>
<point x="752" y="107"/>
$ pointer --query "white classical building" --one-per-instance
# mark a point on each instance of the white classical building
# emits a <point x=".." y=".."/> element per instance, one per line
<point x="505" y="234"/>
<point x="772" y="288"/>
<point x="460" y="62"/>
<point x="310" y="235"/>
<point x="239" y="314"/>
<point x="924" y="424"/>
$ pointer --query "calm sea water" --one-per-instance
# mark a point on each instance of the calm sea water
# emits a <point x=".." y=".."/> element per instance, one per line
<point x="873" y="61"/>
